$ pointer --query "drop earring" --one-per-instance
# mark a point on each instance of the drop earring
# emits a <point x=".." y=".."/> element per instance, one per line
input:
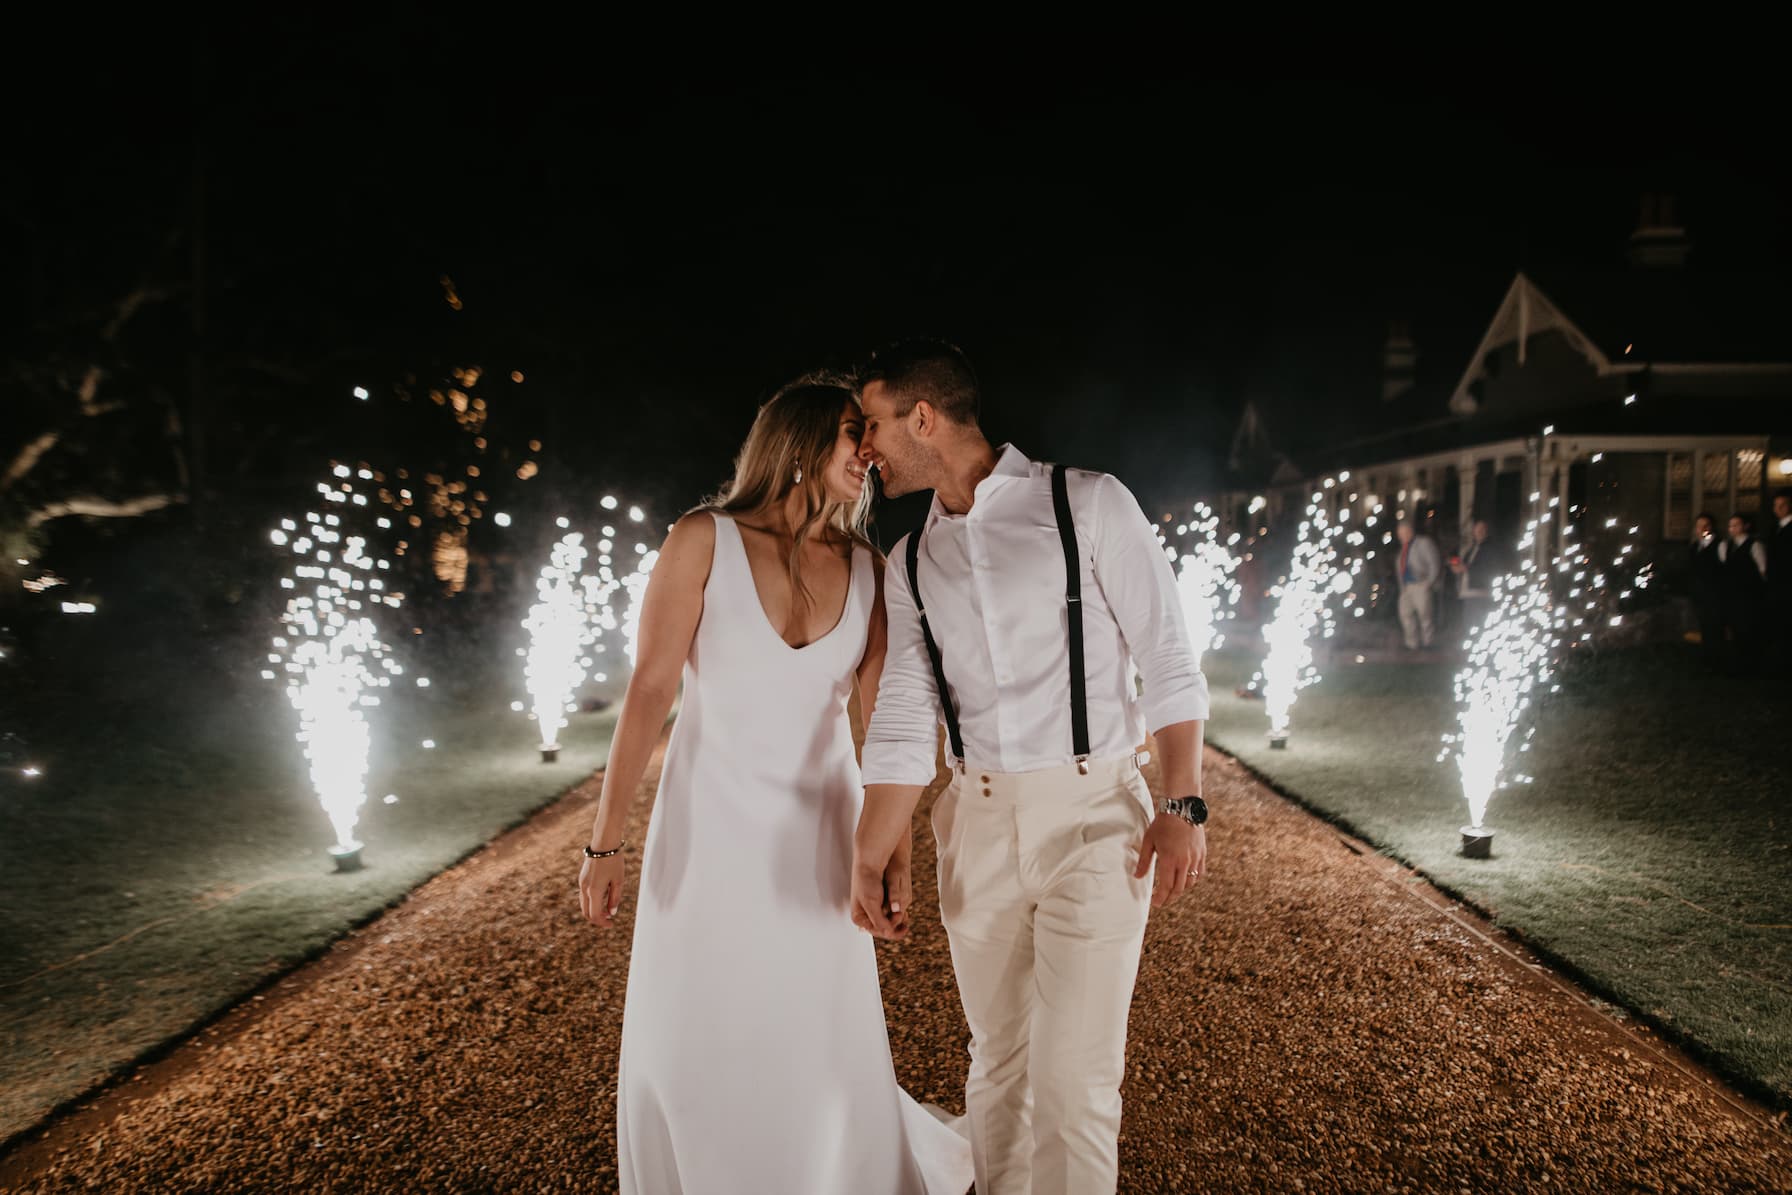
<point x="798" y="479"/>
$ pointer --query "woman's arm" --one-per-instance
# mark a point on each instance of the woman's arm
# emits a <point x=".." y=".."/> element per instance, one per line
<point x="877" y="639"/>
<point x="871" y="670"/>
<point x="670" y="611"/>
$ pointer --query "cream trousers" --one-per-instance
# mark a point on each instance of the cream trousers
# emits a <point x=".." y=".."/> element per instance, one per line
<point x="1416" y="621"/>
<point x="1045" y="921"/>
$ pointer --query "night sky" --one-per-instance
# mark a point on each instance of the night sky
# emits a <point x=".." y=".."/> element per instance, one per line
<point x="1128" y="259"/>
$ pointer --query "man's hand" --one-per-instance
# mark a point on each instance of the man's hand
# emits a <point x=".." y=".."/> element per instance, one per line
<point x="1181" y="853"/>
<point x="880" y="898"/>
<point x="899" y="893"/>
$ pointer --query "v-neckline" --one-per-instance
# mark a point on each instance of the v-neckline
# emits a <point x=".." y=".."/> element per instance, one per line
<point x="852" y="580"/>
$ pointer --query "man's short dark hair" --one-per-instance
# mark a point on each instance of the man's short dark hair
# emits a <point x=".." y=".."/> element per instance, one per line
<point x="1783" y="492"/>
<point x="935" y="370"/>
<point x="1746" y="520"/>
<point x="1707" y="516"/>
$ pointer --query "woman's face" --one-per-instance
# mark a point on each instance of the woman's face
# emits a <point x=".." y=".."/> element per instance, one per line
<point x="845" y="474"/>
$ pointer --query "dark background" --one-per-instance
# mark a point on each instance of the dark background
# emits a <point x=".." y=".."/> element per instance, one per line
<point x="657" y="241"/>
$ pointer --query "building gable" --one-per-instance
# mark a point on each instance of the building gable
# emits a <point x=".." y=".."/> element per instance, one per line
<point x="1525" y="316"/>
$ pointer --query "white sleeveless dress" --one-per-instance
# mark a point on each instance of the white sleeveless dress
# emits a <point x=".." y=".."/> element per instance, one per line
<point x="754" y="1052"/>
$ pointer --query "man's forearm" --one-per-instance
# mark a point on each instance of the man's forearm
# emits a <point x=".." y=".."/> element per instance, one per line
<point x="884" y="822"/>
<point x="1179" y="758"/>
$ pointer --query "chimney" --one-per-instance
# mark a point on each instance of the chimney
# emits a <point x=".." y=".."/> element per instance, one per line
<point x="1658" y="241"/>
<point x="1398" y="360"/>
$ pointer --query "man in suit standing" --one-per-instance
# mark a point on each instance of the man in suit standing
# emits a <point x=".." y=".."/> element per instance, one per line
<point x="1779" y="577"/>
<point x="1417" y="570"/>
<point x="1707" y="576"/>
<point x="1745" y="591"/>
<point x="1476" y="570"/>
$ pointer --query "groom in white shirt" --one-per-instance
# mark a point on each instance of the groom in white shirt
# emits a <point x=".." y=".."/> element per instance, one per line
<point x="1047" y="833"/>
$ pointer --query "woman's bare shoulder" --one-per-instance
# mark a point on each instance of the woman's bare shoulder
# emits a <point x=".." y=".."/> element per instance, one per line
<point x="692" y="540"/>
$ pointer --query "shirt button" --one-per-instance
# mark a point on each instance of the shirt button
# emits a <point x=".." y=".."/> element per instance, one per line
<point x="986" y="780"/>
<point x="987" y="793"/>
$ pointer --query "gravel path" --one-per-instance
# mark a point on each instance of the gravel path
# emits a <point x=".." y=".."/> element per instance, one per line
<point x="1314" y="1021"/>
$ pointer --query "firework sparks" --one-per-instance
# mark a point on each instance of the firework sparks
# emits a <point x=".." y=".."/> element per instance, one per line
<point x="568" y="626"/>
<point x="559" y="631"/>
<point x="1207" y="581"/>
<point x="331" y="651"/>
<point x="1319" y="571"/>
<point x="1539" y="614"/>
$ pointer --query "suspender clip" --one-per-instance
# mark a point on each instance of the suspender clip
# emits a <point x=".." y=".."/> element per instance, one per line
<point x="1082" y="765"/>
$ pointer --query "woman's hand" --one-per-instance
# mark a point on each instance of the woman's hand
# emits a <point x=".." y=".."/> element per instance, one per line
<point x="899" y="893"/>
<point x="600" y="890"/>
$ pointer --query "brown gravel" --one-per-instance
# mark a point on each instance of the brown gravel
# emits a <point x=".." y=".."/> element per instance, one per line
<point x="1311" y="1020"/>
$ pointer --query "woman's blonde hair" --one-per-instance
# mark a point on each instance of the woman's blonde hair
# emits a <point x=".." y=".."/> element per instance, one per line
<point x="797" y="429"/>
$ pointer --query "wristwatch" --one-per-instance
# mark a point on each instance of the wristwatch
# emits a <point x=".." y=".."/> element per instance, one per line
<point x="1192" y="810"/>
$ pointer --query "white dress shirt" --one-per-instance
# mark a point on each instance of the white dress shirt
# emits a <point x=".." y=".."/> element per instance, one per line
<point x="1757" y="552"/>
<point x="993" y="584"/>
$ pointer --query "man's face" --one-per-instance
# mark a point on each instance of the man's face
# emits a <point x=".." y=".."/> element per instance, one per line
<point x="904" y="462"/>
<point x="1738" y="528"/>
<point x="1702" y="528"/>
<point x="1782" y="506"/>
<point x="1481" y="531"/>
<point x="1404" y="532"/>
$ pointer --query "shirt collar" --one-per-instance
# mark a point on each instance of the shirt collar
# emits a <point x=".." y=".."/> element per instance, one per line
<point x="1011" y="463"/>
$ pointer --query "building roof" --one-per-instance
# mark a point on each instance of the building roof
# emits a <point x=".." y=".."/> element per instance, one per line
<point x="1657" y="317"/>
<point x="1705" y="351"/>
<point x="1678" y="315"/>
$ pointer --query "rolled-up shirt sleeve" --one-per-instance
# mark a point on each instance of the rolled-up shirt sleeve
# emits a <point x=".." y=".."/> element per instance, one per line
<point x="1140" y="588"/>
<point x="902" y="743"/>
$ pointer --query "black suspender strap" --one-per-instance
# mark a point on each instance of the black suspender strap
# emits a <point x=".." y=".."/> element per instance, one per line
<point x="933" y="649"/>
<point x="1073" y="600"/>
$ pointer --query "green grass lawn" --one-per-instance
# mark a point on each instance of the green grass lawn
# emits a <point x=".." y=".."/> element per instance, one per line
<point x="171" y="857"/>
<point x="1652" y="856"/>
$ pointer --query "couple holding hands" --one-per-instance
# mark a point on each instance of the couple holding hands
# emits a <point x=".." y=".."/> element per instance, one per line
<point x="754" y="1054"/>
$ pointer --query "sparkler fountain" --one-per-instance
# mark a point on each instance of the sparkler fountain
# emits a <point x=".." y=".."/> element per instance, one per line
<point x="1318" y="572"/>
<point x="1515" y="651"/>
<point x="575" y="614"/>
<point x="1207" y="581"/>
<point x="559" y="632"/>
<point x="338" y="663"/>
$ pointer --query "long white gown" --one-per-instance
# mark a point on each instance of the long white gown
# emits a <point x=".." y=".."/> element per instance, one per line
<point x="754" y="1052"/>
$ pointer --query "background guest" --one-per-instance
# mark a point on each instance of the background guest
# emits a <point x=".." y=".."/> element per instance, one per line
<point x="1779" y="578"/>
<point x="1483" y="560"/>
<point x="1417" y="570"/>
<point x="1745" y="592"/>
<point x="1707" y="586"/>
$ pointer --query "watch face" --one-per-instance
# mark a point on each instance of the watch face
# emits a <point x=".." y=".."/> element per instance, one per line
<point x="1191" y="809"/>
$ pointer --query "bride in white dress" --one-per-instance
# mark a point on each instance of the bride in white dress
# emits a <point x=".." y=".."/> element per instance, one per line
<point x="754" y="1052"/>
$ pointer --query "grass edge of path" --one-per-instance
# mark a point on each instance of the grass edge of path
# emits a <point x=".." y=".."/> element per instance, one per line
<point x="121" y="1072"/>
<point x="1718" y="1063"/>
